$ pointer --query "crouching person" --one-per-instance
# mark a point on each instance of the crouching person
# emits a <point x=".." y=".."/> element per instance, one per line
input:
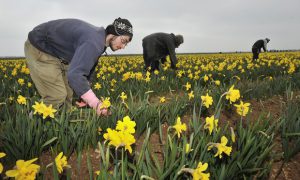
<point x="62" y="55"/>
<point x="157" y="46"/>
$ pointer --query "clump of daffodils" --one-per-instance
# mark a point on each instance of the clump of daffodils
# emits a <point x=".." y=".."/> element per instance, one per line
<point x="42" y="109"/>
<point x="122" y="136"/>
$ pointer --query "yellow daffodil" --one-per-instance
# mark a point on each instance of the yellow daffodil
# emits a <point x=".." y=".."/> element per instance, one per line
<point x="198" y="172"/>
<point x="126" y="76"/>
<point x="292" y="68"/>
<point x="162" y="99"/>
<point x="188" y="148"/>
<point x="97" y="86"/>
<point x="105" y="103"/>
<point x="48" y="111"/>
<point x="191" y="95"/>
<point x="147" y="79"/>
<point x="1" y="166"/>
<point x="39" y="108"/>
<point x="188" y="86"/>
<point x="61" y="162"/>
<point x="233" y="94"/>
<point x="107" y="136"/>
<point x="21" y="81"/>
<point x="127" y="125"/>
<point x="211" y="123"/>
<point x="24" y="170"/>
<point x="242" y="108"/>
<point x="21" y="100"/>
<point x="123" y="96"/>
<point x="232" y="134"/>
<point x="139" y="76"/>
<point x="222" y="148"/>
<point x="11" y="98"/>
<point x="179" y="127"/>
<point x="14" y="72"/>
<point x="207" y="100"/>
<point x="123" y="137"/>
<point x="205" y="78"/>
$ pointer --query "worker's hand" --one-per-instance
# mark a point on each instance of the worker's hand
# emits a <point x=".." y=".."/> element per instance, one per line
<point x="90" y="98"/>
<point x="102" y="111"/>
<point x="81" y="104"/>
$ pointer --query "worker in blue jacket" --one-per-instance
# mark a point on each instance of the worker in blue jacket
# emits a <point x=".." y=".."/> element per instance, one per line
<point x="62" y="54"/>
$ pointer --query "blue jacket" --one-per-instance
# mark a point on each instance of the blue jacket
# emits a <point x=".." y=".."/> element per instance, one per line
<point x="75" y="42"/>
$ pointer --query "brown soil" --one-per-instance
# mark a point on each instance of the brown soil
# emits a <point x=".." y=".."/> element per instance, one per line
<point x="78" y="172"/>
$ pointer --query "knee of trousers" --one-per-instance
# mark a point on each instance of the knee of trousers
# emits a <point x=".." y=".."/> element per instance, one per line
<point x="56" y="99"/>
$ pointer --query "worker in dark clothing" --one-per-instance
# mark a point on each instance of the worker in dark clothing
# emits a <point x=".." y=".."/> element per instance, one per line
<point x="62" y="54"/>
<point x="256" y="48"/>
<point x="157" y="46"/>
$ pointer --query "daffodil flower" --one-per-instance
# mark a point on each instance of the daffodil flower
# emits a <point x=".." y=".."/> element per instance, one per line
<point x="207" y="100"/>
<point x="61" y="162"/>
<point x="211" y="123"/>
<point x="1" y="166"/>
<point x="232" y="94"/>
<point x="24" y="170"/>
<point x="242" y="108"/>
<point x="222" y="148"/>
<point x="179" y="127"/>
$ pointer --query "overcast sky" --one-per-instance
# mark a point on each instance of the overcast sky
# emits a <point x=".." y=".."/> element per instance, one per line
<point x="207" y="25"/>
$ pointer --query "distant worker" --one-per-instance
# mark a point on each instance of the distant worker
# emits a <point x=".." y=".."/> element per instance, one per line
<point x="256" y="48"/>
<point x="157" y="46"/>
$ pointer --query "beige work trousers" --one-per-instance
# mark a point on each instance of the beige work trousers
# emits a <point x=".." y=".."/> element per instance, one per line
<point x="49" y="76"/>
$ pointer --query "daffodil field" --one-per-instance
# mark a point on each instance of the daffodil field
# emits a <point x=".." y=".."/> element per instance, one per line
<point x="183" y="108"/>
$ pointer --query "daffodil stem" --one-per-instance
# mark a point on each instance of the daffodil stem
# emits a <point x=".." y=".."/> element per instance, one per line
<point x="218" y="105"/>
<point x="116" y="160"/>
<point x="123" y="175"/>
<point x="198" y="129"/>
<point x="200" y="110"/>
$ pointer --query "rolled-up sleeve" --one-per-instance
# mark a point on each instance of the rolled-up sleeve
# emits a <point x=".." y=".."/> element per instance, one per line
<point x="83" y="61"/>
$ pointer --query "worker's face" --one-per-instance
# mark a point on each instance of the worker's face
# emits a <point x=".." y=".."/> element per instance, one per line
<point x="119" y="42"/>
